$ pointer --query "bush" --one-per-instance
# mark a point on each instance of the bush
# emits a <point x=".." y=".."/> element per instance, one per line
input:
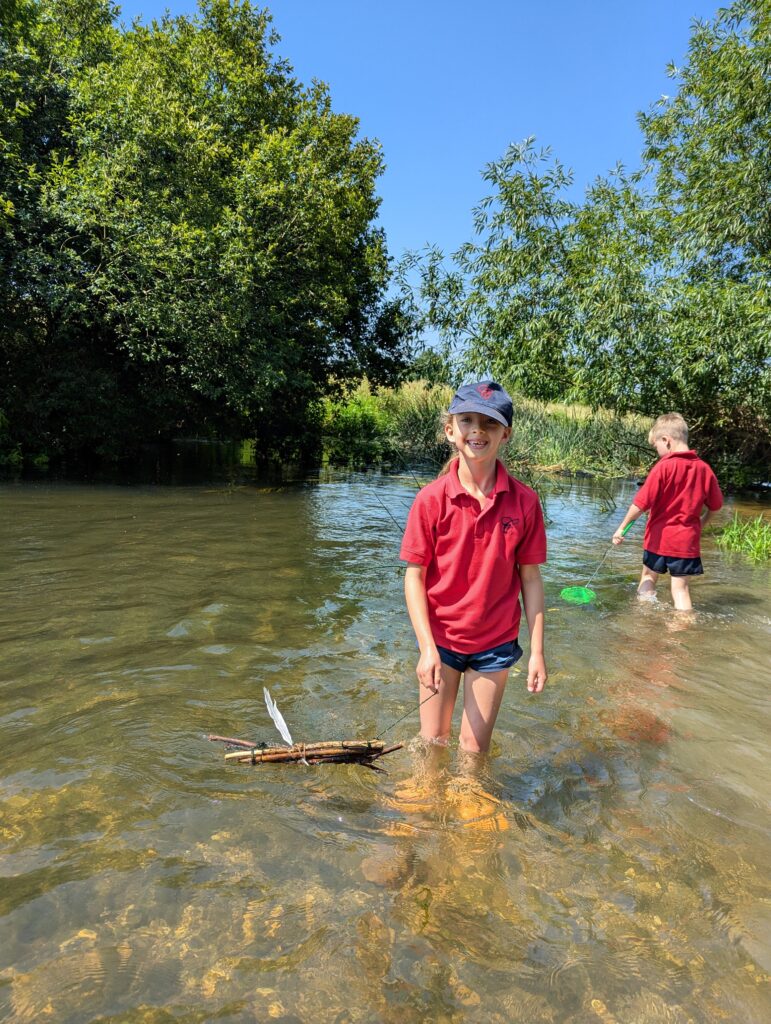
<point x="354" y="428"/>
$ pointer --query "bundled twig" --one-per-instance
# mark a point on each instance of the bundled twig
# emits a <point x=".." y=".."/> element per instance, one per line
<point x="362" y="752"/>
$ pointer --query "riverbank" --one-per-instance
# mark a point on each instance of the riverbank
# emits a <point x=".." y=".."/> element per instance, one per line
<point x="392" y="430"/>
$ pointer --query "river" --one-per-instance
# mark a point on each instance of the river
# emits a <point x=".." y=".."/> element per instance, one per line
<point x="606" y="863"/>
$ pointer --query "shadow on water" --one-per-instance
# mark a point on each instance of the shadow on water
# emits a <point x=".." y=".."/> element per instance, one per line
<point x="183" y="462"/>
<point x="605" y="863"/>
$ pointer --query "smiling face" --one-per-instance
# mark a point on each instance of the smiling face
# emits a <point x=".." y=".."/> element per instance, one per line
<point x="476" y="436"/>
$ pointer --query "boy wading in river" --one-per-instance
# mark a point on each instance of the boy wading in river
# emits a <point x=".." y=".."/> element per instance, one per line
<point x="474" y="539"/>
<point x="680" y="494"/>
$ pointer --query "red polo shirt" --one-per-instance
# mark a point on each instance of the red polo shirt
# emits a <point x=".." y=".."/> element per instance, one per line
<point x="674" y="493"/>
<point x="472" y="556"/>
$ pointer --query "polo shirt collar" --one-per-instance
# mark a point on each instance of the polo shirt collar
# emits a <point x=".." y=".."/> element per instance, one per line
<point x="456" y="488"/>
<point x="681" y="455"/>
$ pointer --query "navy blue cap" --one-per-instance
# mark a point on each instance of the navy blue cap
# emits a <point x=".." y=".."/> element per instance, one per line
<point x="485" y="397"/>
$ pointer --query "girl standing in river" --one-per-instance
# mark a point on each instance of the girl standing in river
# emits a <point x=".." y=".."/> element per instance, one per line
<point x="474" y="540"/>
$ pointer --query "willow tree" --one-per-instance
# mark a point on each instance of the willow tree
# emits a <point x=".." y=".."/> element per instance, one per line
<point x="709" y="152"/>
<point x="652" y="292"/>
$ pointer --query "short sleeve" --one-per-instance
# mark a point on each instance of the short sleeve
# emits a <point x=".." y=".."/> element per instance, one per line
<point x="649" y="491"/>
<point x="714" y="499"/>
<point x="531" y="549"/>
<point x="418" y="540"/>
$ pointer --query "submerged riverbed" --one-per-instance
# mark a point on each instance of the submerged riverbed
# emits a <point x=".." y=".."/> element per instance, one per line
<point x="607" y="862"/>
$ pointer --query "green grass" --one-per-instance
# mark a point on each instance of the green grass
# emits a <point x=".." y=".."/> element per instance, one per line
<point x="752" y="537"/>
<point x="401" y="427"/>
<point x="572" y="438"/>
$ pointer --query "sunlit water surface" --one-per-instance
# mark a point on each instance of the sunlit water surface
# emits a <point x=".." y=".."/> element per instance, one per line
<point x="607" y="863"/>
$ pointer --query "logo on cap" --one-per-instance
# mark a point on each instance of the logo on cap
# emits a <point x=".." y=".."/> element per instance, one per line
<point x="484" y="397"/>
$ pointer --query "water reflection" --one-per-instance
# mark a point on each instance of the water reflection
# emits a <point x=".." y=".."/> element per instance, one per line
<point x="605" y="863"/>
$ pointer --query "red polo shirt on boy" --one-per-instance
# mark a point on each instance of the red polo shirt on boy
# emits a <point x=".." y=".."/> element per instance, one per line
<point x="674" y="493"/>
<point x="472" y="557"/>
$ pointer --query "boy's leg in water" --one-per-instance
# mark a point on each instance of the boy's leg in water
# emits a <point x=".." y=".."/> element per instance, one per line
<point x="646" y="588"/>
<point x="482" y="696"/>
<point x="436" y="713"/>
<point x="681" y="594"/>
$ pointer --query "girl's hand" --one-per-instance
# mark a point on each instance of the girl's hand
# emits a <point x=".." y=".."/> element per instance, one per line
<point x="617" y="536"/>
<point x="536" y="673"/>
<point x="429" y="669"/>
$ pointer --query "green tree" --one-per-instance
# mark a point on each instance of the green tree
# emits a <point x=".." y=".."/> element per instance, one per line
<point x="205" y="232"/>
<point x="41" y="46"/>
<point x="555" y="298"/>
<point x="498" y="307"/>
<point x="652" y="293"/>
<point x="709" y="145"/>
<point x="709" y="152"/>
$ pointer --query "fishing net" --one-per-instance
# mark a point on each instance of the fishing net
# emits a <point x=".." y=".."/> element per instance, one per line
<point x="577" y="595"/>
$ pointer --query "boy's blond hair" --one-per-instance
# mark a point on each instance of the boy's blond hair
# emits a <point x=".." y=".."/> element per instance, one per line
<point x="671" y="423"/>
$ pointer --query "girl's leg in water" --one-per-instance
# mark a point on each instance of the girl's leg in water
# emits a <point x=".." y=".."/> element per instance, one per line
<point x="436" y="713"/>
<point x="482" y="696"/>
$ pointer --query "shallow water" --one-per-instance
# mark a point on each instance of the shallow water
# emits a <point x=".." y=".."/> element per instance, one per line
<point x="606" y="863"/>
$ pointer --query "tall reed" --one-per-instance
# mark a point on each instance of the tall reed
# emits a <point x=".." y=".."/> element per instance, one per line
<point x="752" y="537"/>
<point x="401" y="427"/>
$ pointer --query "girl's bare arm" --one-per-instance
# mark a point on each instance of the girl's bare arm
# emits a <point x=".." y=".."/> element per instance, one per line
<point x="533" y="599"/>
<point x="429" y="664"/>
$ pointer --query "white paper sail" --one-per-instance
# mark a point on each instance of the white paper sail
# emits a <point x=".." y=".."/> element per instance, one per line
<point x="278" y="718"/>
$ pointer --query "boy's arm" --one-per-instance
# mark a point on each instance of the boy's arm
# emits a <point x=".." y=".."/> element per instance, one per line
<point x="706" y="515"/>
<point x="533" y="599"/>
<point x="645" y="499"/>
<point x="429" y="666"/>
<point x="634" y="512"/>
<point x="713" y="500"/>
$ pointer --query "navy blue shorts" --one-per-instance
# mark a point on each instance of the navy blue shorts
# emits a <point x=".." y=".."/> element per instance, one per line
<point x="495" y="660"/>
<point x="674" y="566"/>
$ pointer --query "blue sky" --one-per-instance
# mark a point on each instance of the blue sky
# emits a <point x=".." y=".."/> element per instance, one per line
<point x="446" y="86"/>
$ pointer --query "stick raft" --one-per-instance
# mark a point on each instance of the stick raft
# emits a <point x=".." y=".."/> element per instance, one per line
<point x="363" y="752"/>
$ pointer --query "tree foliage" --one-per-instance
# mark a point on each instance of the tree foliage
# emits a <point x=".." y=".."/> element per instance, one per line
<point x="188" y="232"/>
<point x="710" y="144"/>
<point x="653" y="292"/>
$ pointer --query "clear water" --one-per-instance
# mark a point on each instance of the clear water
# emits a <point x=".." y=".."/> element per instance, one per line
<point x="606" y="863"/>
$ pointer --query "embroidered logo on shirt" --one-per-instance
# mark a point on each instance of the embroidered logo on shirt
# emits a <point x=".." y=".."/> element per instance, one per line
<point x="508" y="523"/>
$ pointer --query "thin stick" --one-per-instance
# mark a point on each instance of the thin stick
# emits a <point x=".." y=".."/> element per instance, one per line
<point x="234" y="742"/>
<point x="396" y="522"/>
<point x="608" y="550"/>
<point x="408" y="713"/>
<point x="602" y="561"/>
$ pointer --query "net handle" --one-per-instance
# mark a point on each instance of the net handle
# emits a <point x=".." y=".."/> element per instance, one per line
<point x="624" y="532"/>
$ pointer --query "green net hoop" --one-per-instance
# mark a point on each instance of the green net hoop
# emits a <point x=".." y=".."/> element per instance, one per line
<point x="577" y="595"/>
